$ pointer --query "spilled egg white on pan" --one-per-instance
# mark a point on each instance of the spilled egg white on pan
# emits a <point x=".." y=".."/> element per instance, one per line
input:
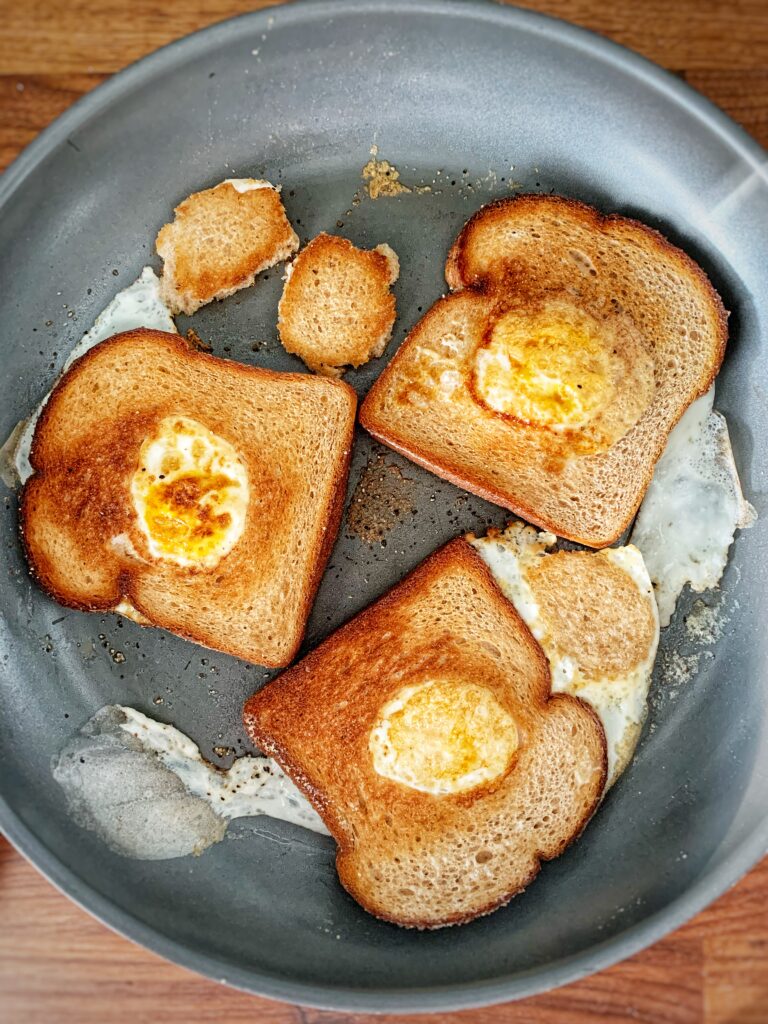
<point x="595" y="617"/>
<point x="143" y="787"/>
<point x="138" y="305"/>
<point x="250" y="184"/>
<point x="692" y="508"/>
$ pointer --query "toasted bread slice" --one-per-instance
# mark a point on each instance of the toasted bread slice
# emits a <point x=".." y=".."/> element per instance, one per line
<point x="594" y="615"/>
<point x="220" y="239"/>
<point x="337" y="309"/>
<point x="203" y="494"/>
<point x="551" y="383"/>
<point x="425" y="734"/>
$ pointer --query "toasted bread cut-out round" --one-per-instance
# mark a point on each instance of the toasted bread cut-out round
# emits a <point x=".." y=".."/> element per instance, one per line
<point x="291" y="434"/>
<point x="594" y="614"/>
<point x="423" y="859"/>
<point x="525" y="254"/>
<point x="337" y="309"/>
<point x="605" y="627"/>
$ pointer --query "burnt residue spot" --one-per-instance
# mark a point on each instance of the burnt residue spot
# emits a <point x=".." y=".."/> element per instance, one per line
<point x="381" y="499"/>
<point x="194" y="339"/>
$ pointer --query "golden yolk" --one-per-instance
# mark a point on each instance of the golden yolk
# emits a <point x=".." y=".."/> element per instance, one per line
<point x="544" y="369"/>
<point x="190" y="493"/>
<point x="443" y="737"/>
<point x="181" y="514"/>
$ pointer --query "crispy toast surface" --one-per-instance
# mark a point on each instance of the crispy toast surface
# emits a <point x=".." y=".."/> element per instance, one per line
<point x="520" y="257"/>
<point x="293" y="435"/>
<point x="219" y="240"/>
<point x="337" y="309"/>
<point x="408" y="856"/>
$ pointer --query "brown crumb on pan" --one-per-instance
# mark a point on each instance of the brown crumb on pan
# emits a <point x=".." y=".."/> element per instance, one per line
<point x="197" y="342"/>
<point x="380" y="500"/>
<point x="382" y="178"/>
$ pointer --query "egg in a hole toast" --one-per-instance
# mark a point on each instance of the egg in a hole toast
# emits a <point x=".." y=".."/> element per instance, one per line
<point x="194" y="493"/>
<point x="426" y="735"/>
<point x="549" y="380"/>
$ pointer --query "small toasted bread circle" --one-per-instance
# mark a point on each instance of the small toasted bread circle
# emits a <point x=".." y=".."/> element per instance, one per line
<point x="220" y="239"/>
<point x="550" y="380"/>
<point x="425" y="733"/>
<point x="337" y="309"/>
<point x="595" y="617"/>
<point x="190" y="492"/>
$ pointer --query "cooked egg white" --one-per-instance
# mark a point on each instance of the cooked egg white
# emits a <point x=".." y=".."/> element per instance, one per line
<point x="619" y="699"/>
<point x="190" y="492"/>
<point x="692" y="508"/>
<point x="138" y="305"/>
<point x="252" y="786"/>
<point x="145" y="789"/>
<point x="250" y="184"/>
<point x="443" y="737"/>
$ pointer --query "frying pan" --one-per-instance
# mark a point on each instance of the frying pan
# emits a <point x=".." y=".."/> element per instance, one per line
<point x="473" y="101"/>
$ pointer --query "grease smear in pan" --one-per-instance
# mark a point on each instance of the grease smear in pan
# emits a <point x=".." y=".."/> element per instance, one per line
<point x="143" y="787"/>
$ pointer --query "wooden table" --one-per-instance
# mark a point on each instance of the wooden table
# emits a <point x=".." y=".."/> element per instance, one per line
<point x="57" y="965"/>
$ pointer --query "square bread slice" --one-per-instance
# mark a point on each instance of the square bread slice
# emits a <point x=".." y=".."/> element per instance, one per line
<point x="200" y="493"/>
<point x="550" y="380"/>
<point x="426" y="735"/>
<point x="220" y="239"/>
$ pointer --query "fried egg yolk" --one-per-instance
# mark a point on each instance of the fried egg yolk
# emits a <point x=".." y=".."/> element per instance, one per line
<point x="443" y="737"/>
<point x="190" y="493"/>
<point x="545" y="369"/>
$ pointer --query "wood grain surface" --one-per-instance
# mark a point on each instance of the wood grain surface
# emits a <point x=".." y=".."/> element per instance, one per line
<point x="58" y="965"/>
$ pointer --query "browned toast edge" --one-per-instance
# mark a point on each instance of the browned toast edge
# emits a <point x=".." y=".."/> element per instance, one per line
<point x="454" y="264"/>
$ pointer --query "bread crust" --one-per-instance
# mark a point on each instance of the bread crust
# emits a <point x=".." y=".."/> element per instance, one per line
<point x="281" y="718"/>
<point x="457" y="275"/>
<point x="495" y="287"/>
<point x="126" y="577"/>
